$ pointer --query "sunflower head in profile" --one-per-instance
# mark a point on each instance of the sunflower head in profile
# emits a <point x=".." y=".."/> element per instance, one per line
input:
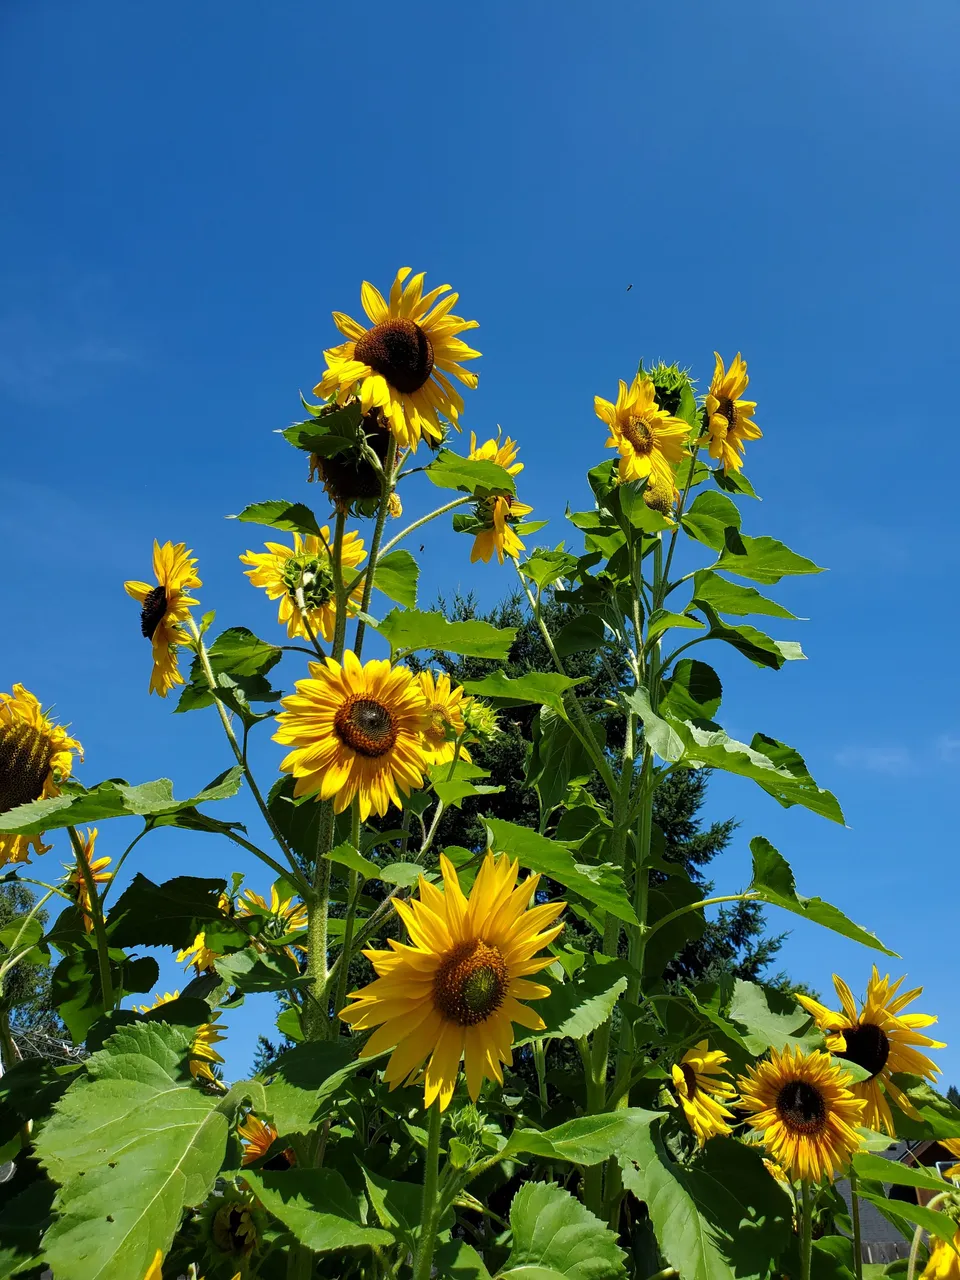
<point x="257" y="1137"/>
<point x="35" y="755"/>
<point x="944" y="1260"/>
<point x="356" y="731"/>
<point x="661" y="494"/>
<point x="445" y="705"/>
<point x="647" y="438"/>
<point x="729" y="419"/>
<point x="164" y="608"/>
<point x="703" y="1087"/>
<point x="495" y="514"/>
<point x="403" y="362"/>
<point x="351" y="480"/>
<point x="203" y="1055"/>
<point x="278" y="918"/>
<point x="803" y="1105"/>
<point x="77" y="880"/>
<point x="301" y="578"/>
<point x="454" y="992"/>
<point x="881" y="1039"/>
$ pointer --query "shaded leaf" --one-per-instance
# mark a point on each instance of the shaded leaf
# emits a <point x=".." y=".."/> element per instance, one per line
<point x="396" y="576"/>
<point x="304" y="1080"/>
<point x="708" y="518"/>
<point x="761" y="649"/>
<point x="317" y="1206"/>
<point x="693" y="691"/>
<point x="166" y="915"/>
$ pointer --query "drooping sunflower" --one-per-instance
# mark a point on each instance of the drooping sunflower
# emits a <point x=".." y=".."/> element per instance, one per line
<point x="403" y="362"/>
<point x="202" y="1053"/>
<point x="497" y="513"/>
<point x="455" y="991"/>
<point x="944" y="1260"/>
<point x="730" y="419"/>
<point x="351" y="480"/>
<point x="648" y="439"/>
<point x="306" y="567"/>
<point x="280" y="916"/>
<point x="882" y="1039"/>
<point x="98" y="873"/>
<point x="164" y="608"/>
<point x="446" y="706"/>
<point x="661" y="494"/>
<point x="356" y="730"/>
<point x="803" y="1105"/>
<point x="35" y="755"/>
<point x="703" y="1087"/>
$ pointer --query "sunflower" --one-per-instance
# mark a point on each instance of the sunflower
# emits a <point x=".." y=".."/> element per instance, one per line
<point x="881" y="1039"/>
<point x="351" y="480"/>
<point x="202" y="1052"/>
<point x="456" y="990"/>
<point x="356" y="731"/>
<point x="702" y="1091"/>
<point x="302" y="575"/>
<point x="497" y="513"/>
<point x="403" y="360"/>
<point x="35" y="755"/>
<point x="155" y="1269"/>
<point x="446" y="706"/>
<point x="730" y="419"/>
<point x="198" y="955"/>
<point x="661" y="495"/>
<point x="804" y="1106"/>
<point x="648" y="439"/>
<point x="944" y="1260"/>
<point x="165" y="607"/>
<point x="258" y="1136"/>
<point x="233" y="1229"/>
<point x="281" y="916"/>
<point x="98" y="873"/>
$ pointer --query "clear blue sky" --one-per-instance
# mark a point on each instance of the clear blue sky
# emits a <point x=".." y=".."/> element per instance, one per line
<point x="189" y="190"/>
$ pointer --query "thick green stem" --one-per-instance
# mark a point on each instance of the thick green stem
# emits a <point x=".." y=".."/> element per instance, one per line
<point x="386" y="490"/>
<point x="96" y="915"/>
<point x="316" y="1013"/>
<point x="806" y="1229"/>
<point x="339" y="587"/>
<point x="540" y="1066"/>
<point x="430" y="1207"/>
<point x="417" y="524"/>
<point x="918" y="1240"/>
<point x="855" y="1216"/>
<point x="353" y="895"/>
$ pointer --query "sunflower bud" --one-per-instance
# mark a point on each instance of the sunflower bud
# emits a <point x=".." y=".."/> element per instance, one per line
<point x="479" y="717"/>
<point x="670" y="381"/>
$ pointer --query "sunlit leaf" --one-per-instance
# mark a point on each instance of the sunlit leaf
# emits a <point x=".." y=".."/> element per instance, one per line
<point x="555" y="1235"/>
<point x="396" y="576"/>
<point x="732" y="597"/>
<point x="409" y="629"/>
<point x="543" y="687"/>
<point x="449" y="471"/>
<point x="279" y="513"/>
<point x="762" y="559"/>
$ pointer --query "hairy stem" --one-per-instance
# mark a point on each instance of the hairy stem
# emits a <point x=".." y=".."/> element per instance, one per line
<point x="387" y="483"/>
<point x="806" y="1229"/>
<point x="430" y="1206"/>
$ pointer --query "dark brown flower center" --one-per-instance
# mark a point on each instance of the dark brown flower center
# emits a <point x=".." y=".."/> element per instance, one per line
<point x="867" y="1046"/>
<point x="689" y="1078"/>
<point x="801" y="1107"/>
<point x="471" y="984"/>
<point x="233" y="1230"/>
<point x="728" y="409"/>
<point x="638" y="433"/>
<point x="401" y="351"/>
<point x="25" y="756"/>
<point x="436" y="730"/>
<point x="365" y="725"/>
<point x="151" y="615"/>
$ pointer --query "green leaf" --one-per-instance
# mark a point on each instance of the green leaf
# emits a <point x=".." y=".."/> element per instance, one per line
<point x="240" y="662"/>
<point x="554" y="1233"/>
<point x="131" y="1145"/>
<point x="449" y="471"/>
<point x="328" y="434"/>
<point x="773" y="881"/>
<point x="25" y="1217"/>
<point x="410" y="629"/>
<point x="938" y="1118"/>
<point x="455" y="790"/>
<point x="719" y="1218"/>
<point x="662" y="738"/>
<point x="662" y="620"/>
<point x="762" y="560"/>
<point x="676" y="892"/>
<point x="770" y="1019"/>
<point x="709" y="517"/>
<point x="21" y="936"/>
<point x="777" y="768"/>
<point x="396" y="576"/>
<point x="601" y="885"/>
<point x="544" y="687"/>
<point x="587" y="1140"/>
<point x="457" y="1260"/>
<point x="753" y="644"/>
<point x="304" y="1081"/>
<point x="578" y="1007"/>
<point x="290" y="517"/>
<point x="166" y="915"/>
<point x="75" y="989"/>
<point x="732" y="597"/>
<point x="693" y="691"/>
<point x="345" y="855"/>
<point x="636" y="511"/>
<point x="580" y="635"/>
<point x="546" y="567"/>
<point x="113" y="800"/>
<point x="734" y="482"/>
<point x="252" y="970"/>
<point x="902" y="1211"/>
<point x="297" y="820"/>
<point x="317" y="1206"/>
<point x="556" y="756"/>
<point x="875" y="1169"/>
<point x="404" y="874"/>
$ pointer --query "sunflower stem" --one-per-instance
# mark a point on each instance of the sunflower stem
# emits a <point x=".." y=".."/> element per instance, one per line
<point x="96" y="914"/>
<point x="353" y="896"/>
<point x="316" y="1012"/>
<point x="417" y="524"/>
<point x="340" y="622"/>
<point x="430" y="1208"/>
<point x="806" y="1230"/>
<point x="855" y="1216"/>
<point x="387" y="484"/>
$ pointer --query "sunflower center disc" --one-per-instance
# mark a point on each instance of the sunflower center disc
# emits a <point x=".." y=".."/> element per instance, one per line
<point x="312" y="576"/>
<point x="727" y="408"/>
<point x="436" y="731"/>
<point x="638" y="433"/>
<point x="151" y="615"/>
<point x="868" y="1047"/>
<point x="401" y="351"/>
<point x="471" y="983"/>
<point x="25" y="755"/>
<point x="801" y="1107"/>
<point x="689" y="1078"/>
<point x="366" y="725"/>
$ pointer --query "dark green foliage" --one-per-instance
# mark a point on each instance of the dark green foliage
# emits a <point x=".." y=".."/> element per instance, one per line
<point x="26" y="1002"/>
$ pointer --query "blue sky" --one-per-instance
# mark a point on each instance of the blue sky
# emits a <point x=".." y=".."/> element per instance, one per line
<point x="188" y="193"/>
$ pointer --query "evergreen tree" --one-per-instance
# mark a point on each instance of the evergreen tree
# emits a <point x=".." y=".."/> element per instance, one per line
<point x="30" y="1027"/>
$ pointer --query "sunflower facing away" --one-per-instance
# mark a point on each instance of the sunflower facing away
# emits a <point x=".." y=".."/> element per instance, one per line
<point x="164" y="608"/>
<point x="730" y="419"/>
<point x="404" y="361"/>
<point x="98" y="872"/>
<point x="648" y="439"/>
<point x="280" y="916"/>
<point x="703" y="1087"/>
<point x="446" y="707"/>
<point x="882" y="1039"/>
<point x="803" y="1105"/>
<point x="35" y="754"/>
<point x="198" y="955"/>
<point x="202" y="1053"/>
<point x="497" y="512"/>
<point x="944" y="1260"/>
<point x="305" y="568"/>
<point x="456" y="990"/>
<point x="356" y="730"/>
